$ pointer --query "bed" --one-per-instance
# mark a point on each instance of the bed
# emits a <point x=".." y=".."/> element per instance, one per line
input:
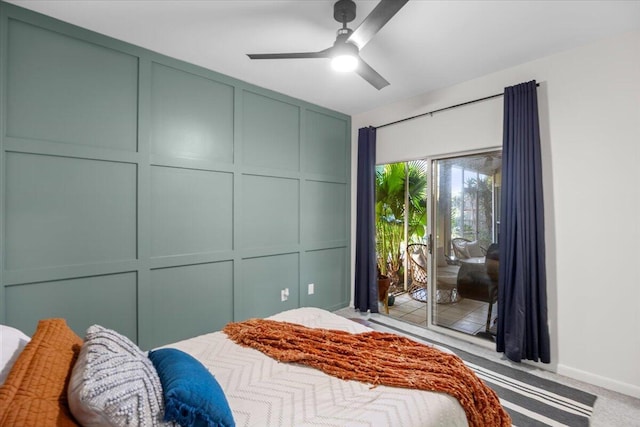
<point x="258" y="390"/>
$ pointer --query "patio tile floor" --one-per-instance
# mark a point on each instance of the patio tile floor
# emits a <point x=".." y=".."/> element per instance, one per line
<point x="466" y="315"/>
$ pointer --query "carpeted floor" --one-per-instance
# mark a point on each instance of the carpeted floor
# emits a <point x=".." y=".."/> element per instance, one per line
<point x="610" y="408"/>
<point x="530" y="400"/>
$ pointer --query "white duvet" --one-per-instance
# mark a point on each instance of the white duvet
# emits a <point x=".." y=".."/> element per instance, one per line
<point x="263" y="392"/>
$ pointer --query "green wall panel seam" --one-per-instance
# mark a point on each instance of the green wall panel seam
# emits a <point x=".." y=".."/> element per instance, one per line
<point x="4" y="31"/>
<point x="144" y="326"/>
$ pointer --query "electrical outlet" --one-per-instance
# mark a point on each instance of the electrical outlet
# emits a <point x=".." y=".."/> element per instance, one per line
<point x="284" y="294"/>
<point x="310" y="288"/>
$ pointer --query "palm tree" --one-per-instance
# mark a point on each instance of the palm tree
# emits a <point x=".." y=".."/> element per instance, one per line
<point x="392" y="181"/>
<point x="478" y="195"/>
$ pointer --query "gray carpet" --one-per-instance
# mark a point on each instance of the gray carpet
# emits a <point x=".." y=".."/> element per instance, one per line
<point x="529" y="399"/>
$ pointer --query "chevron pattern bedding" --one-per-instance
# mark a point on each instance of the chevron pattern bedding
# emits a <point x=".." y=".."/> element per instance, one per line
<point x="262" y="392"/>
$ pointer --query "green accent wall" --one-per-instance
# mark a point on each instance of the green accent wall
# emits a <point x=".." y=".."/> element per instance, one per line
<point x="156" y="197"/>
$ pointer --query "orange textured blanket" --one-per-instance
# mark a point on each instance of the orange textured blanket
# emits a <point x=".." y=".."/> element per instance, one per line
<point x="376" y="358"/>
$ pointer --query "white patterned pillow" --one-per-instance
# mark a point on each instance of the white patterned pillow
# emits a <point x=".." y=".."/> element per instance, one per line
<point x="114" y="383"/>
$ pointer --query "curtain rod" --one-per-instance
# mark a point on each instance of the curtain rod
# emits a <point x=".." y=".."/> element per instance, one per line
<point x="444" y="109"/>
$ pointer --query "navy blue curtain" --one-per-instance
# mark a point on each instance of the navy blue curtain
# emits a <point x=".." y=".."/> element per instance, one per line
<point x="523" y="332"/>
<point x="366" y="277"/>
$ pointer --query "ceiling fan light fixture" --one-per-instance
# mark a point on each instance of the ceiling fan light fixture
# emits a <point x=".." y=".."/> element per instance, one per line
<point x="344" y="57"/>
<point x="344" y="63"/>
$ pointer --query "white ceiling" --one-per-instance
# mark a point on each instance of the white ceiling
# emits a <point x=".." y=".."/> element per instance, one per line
<point x="428" y="45"/>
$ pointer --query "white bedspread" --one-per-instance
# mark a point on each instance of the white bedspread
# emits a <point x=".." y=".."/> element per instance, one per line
<point x="263" y="392"/>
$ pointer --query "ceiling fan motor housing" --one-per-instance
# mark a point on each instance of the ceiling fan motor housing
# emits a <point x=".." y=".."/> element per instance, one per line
<point x="344" y="11"/>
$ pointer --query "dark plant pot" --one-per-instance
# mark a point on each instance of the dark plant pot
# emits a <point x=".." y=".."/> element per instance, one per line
<point x="391" y="300"/>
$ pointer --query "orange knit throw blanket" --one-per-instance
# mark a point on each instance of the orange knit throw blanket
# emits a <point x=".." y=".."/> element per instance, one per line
<point x="377" y="358"/>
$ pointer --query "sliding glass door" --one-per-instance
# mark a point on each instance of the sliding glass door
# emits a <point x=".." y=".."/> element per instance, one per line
<point x="436" y="250"/>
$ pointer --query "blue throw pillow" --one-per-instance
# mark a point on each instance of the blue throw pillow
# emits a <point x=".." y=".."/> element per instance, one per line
<point x="192" y="396"/>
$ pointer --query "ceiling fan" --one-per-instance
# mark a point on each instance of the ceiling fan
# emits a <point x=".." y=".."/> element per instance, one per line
<point x="344" y="53"/>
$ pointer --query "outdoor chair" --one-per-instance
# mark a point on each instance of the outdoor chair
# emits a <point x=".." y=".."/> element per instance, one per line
<point x="418" y="268"/>
<point x="445" y="292"/>
<point x="479" y="281"/>
<point x="465" y="248"/>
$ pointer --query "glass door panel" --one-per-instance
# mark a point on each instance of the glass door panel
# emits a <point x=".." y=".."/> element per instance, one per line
<point x="465" y="206"/>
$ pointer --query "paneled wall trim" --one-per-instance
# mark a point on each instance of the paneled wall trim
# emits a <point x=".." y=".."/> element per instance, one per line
<point x="156" y="197"/>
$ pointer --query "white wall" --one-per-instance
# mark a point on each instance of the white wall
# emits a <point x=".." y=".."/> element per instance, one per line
<point x="589" y="104"/>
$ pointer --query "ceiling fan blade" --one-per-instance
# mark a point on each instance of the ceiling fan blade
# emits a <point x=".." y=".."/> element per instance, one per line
<point x="365" y="71"/>
<point x="294" y="55"/>
<point x="377" y="19"/>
